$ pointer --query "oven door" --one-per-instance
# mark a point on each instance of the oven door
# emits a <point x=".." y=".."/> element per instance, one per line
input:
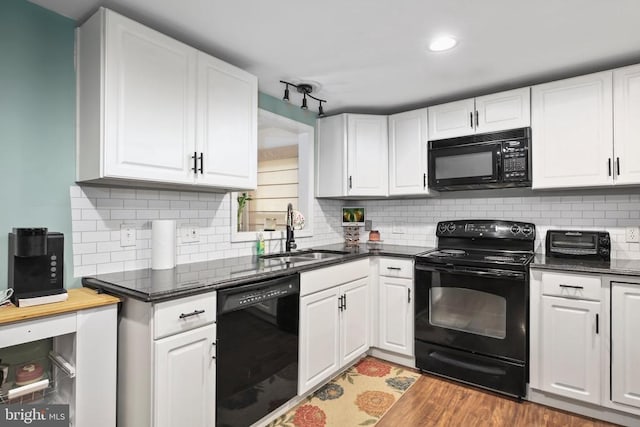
<point x="465" y="165"/>
<point x="477" y="310"/>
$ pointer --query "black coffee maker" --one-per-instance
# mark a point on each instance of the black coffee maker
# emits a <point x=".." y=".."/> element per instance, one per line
<point x="36" y="260"/>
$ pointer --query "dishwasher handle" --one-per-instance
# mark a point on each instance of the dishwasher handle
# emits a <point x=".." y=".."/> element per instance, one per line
<point x="243" y="296"/>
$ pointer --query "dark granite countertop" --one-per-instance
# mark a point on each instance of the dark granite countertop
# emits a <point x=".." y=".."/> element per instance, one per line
<point x="628" y="267"/>
<point x="189" y="279"/>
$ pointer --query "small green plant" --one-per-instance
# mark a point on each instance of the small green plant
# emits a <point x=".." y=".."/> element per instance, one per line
<point x="242" y="202"/>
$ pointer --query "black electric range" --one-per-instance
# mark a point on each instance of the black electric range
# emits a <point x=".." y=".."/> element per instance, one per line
<point x="472" y="302"/>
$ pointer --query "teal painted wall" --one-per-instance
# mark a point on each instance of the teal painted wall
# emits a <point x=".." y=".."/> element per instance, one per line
<point x="37" y="124"/>
<point x="290" y="110"/>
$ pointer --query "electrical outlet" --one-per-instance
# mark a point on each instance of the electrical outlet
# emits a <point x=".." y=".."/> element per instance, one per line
<point x="368" y="225"/>
<point x="632" y="235"/>
<point x="127" y="235"/>
<point x="189" y="233"/>
<point x="398" y="228"/>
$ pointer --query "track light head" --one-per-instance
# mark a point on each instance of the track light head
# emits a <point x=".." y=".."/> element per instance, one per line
<point x="320" y="110"/>
<point x="286" y="94"/>
<point x="304" y="102"/>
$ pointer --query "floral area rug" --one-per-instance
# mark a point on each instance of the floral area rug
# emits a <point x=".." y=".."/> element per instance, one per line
<point x="358" y="397"/>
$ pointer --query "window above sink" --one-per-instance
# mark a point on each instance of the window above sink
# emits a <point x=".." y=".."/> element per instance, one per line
<point x="285" y="175"/>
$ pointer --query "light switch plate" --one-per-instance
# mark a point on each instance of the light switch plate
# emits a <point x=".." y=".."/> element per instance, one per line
<point x="632" y="234"/>
<point x="189" y="233"/>
<point x="127" y="235"/>
<point x="368" y="225"/>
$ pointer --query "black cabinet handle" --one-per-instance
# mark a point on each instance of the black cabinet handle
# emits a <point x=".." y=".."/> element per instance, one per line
<point x="609" y="163"/>
<point x="350" y="182"/>
<point x="618" y="165"/>
<point x="477" y="119"/>
<point x="408" y="295"/>
<point x="597" y="323"/>
<point x="340" y="303"/>
<point x="193" y="313"/>
<point x="195" y="162"/>
<point x="345" y="301"/>
<point x="394" y="268"/>
<point x="571" y="286"/>
<point x="471" y="119"/>
<point x="424" y="180"/>
<point x="201" y="163"/>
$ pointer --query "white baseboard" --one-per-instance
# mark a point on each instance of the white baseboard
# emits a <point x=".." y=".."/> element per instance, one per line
<point x="583" y="408"/>
<point x="389" y="356"/>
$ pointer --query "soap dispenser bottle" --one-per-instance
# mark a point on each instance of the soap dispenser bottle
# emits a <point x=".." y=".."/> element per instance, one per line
<point x="260" y="245"/>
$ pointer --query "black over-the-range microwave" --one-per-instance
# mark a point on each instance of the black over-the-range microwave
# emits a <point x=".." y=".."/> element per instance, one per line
<point x="489" y="160"/>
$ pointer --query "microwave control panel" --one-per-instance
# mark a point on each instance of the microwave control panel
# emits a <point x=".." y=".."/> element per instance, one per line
<point x="515" y="160"/>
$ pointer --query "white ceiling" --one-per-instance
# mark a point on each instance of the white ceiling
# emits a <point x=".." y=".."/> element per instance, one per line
<point x="371" y="55"/>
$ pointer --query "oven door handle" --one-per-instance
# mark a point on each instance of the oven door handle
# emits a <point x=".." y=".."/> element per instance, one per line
<point x="489" y="272"/>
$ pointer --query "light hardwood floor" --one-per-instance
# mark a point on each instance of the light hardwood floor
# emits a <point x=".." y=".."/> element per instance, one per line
<point x="433" y="401"/>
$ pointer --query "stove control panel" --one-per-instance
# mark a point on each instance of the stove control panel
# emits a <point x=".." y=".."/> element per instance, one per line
<point x="492" y="229"/>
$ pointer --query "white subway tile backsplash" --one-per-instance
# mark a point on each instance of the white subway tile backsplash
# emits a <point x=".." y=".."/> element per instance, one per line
<point x="98" y="212"/>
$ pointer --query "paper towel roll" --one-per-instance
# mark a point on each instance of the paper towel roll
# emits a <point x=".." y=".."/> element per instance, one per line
<point x="163" y="244"/>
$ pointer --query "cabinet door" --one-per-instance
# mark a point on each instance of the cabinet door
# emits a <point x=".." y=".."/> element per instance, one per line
<point x="354" y="320"/>
<point x="149" y="125"/>
<point x="227" y="125"/>
<point x="319" y="338"/>
<point x="396" y="315"/>
<point x="504" y="110"/>
<point x="185" y="379"/>
<point x="571" y="348"/>
<point x="331" y="157"/>
<point x="625" y="346"/>
<point x="572" y="128"/>
<point x="452" y="119"/>
<point x="408" y="153"/>
<point x="367" y="155"/>
<point x="626" y="110"/>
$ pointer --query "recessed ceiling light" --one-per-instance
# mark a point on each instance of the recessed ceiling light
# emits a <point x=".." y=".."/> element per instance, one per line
<point x="442" y="43"/>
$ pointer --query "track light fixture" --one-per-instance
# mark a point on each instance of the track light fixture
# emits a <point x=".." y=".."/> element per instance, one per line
<point x="305" y="89"/>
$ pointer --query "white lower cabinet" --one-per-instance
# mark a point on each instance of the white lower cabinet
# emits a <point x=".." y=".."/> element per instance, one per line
<point x="354" y="320"/>
<point x="570" y="354"/>
<point x="185" y="379"/>
<point x="395" y="303"/>
<point x="396" y="315"/>
<point x="319" y="337"/>
<point x="625" y="348"/>
<point x="166" y="362"/>
<point x="334" y="321"/>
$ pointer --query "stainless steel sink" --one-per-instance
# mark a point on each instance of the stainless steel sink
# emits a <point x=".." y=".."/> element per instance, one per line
<point x="305" y="256"/>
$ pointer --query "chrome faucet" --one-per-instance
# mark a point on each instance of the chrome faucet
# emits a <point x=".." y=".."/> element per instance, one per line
<point x="290" y="242"/>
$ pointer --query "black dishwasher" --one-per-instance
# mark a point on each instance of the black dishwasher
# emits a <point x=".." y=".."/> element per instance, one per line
<point x="257" y="349"/>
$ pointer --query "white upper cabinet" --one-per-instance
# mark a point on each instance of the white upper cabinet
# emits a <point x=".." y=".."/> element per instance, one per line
<point x="499" y="111"/>
<point x="408" y="153"/>
<point x="149" y="103"/>
<point x="451" y="119"/>
<point x="626" y="111"/>
<point x="352" y="156"/>
<point x="227" y="124"/>
<point x="154" y="110"/>
<point x="572" y="131"/>
<point x="504" y="110"/>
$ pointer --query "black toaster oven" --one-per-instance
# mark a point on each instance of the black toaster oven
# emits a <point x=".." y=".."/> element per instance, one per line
<point x="578" y="244"/>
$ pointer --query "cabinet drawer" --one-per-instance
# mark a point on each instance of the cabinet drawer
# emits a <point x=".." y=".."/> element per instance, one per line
<point x="396" y="267"/>
<point x="183" y="314"/>
<point x="572" y="285"/>
<point x="328" y="277"/>
<point x="34" y="330"/>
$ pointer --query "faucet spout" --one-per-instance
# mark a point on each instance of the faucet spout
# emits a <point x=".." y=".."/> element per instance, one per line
<point x="290" y="242"/>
